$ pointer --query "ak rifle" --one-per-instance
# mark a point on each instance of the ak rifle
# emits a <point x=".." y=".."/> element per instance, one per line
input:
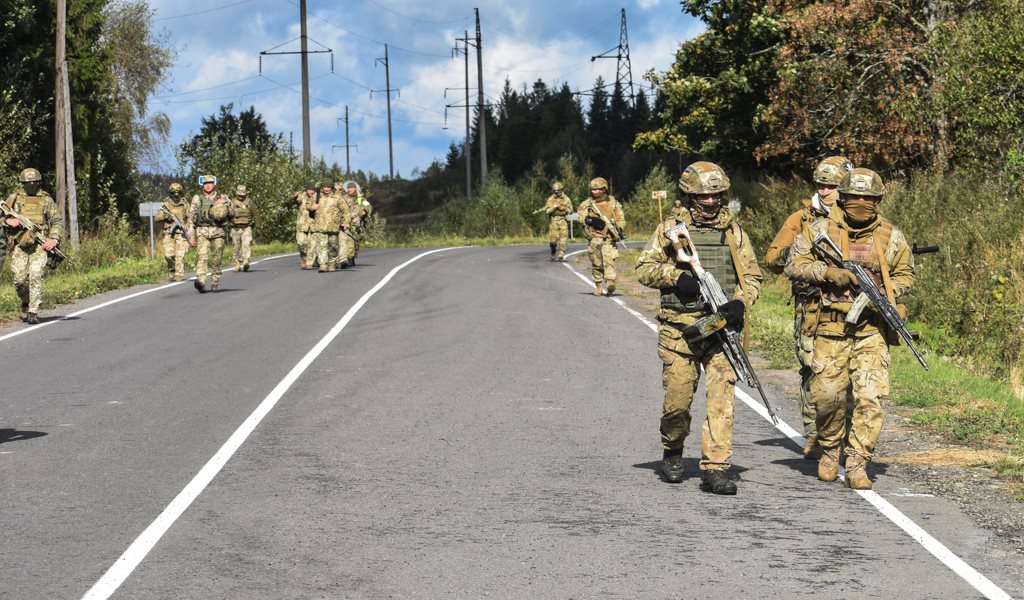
<point x="55" y="255"/>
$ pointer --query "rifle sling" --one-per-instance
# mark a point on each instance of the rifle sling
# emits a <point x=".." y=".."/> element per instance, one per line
<point x="730" y="238"/>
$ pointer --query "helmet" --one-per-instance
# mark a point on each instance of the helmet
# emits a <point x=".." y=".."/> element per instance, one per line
<point x="30" y="175"/>
<point x="862" y="182"/>
<point x="219" y="212"/>
<point x="175" y="188"/>
<point x="599" y="183"/>
<point x="309" y="186"/>
<point x="703" y="177"/>
<point x="240" y="191"/>
<point x="831" y="170"/>
<point x="557" y="186"/>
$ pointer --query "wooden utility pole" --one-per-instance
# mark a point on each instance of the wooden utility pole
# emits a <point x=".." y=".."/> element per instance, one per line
<point x="387" y="91"/>
<point x="59" y="108"/>
<point x="481" y="121"/>
<point x="465" y="142"/>
<point x="69" y="153"/>
<point x="347" y="146"/>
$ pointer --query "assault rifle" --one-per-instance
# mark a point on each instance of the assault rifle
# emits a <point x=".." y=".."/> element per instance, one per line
<point x="55" y="255"/>
<point x="715" y="297"/>
<point x="539" y="210"/>
<point x="612" y="229"/>
<point x="919" y="250"/>
<point x="177" y="222"/>
<point x="867" y="291"/>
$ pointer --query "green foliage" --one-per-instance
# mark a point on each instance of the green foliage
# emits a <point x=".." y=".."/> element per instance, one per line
<point x="642" y="210"/>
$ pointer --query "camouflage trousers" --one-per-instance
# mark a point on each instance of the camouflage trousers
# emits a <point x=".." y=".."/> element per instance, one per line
<point x="804" y="354"/>
<point x="241" y="244"/>
<point x="842" y="363"/>
<point x="558" y="233"/>
<point x="602" y="259"/>
<point x="325" y="247"/>
<point x="680" y="373"/>
<point x="28" y="269"/>
<point x="302" y="240"/>
<point x="209" y="252"/>
<point x="175" y="249"/>
<point x="353" y="238"/>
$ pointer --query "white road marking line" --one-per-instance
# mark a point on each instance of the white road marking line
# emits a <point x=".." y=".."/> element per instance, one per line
<point x="932" y="545"/>
<point x="138" y="550"/>
<point x="122" y="299"/>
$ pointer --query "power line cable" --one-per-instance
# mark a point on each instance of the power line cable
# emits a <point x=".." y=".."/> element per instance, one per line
<point x="212" y="87"/>
<point x="203" y="12"/>
<point x="329" y="103"/>
<point x="381" y="6"/>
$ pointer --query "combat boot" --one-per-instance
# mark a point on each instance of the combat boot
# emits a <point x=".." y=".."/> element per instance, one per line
<point x="611" y="286"/>
<point x="717" y="482"/>
<point x="24" y="311"/>
<point x="599" y="290"/>
<point x="238" y="266"/>
<point x="344" y="264"/>
<point x="200" y="286"/>
<point x="214" y="286"/>
<point x="812" y="451"/>
<point x="672" y="466"/>
<point x="857" y="473"/>
<point x="828" y="464"/>
<point x="352" y="261"/>
<point x="245" y="266"/>
<point x="177" y="278"/>
<point x="553" y="248"/>
<point x="33" y="319"/>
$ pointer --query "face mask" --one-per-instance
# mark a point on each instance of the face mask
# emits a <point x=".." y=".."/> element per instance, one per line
<point x="708" y="207"/>
<point x="830" y="199"/>
<point x="30" y="188"/>
<point x="859" y="210"/>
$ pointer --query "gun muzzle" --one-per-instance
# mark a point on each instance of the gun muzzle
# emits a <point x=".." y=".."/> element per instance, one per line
<point x="919" y="250"/>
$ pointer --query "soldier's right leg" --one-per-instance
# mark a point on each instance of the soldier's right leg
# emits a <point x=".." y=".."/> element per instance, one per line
<point x="202" y="258"/>
<point x="236" y="247"/>
<point x="322" y="252"/>
<point x="563" y="239"/>
<point x="246" y="247"/>
<point x="343" y="250"/>
<point x="333" y="248"/>
<point x="553" y="238"/>
<point x="169" y="248"/>
<point x="829" y="383"/>
<point x="596" y="264"/>
<point x="300" y="241"/>
<point x="36" y="269"/>
<point x="609" y="253"/>
<point x="804" y="355"/>
<point x="19" y="268"/>
<point x="180" y="250"/>
<point x="679" y="379"/>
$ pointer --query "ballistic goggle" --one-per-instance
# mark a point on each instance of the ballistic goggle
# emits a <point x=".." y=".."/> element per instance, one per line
<point x="204" y="179"/>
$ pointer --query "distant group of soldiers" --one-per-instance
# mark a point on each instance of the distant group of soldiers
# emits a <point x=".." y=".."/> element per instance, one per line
<point x="330" y="224"/>
<point x="843" y="353"/>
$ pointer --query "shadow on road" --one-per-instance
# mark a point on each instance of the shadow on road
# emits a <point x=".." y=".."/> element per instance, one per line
<point x="13" y="435"/>
<point x="691" y="468"/>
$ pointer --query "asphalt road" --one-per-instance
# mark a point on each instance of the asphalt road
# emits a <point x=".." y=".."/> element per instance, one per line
<point x="482" y="426"/>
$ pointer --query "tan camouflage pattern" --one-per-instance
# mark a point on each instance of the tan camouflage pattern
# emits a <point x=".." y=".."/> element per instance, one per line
<point x="209" y="254"/>
<point x="360" y="211"/>
<point x="830" y="172"/>
<point x="28" y="268"/>
<point x="841" y="364"/>
<point x="679" y="376"/>
<point x="703" y="177"/>
<point x="303" y="220"/>
<point x="42" y="210"/>
<point x="609" y="207"/>
<point x="332" y="214"/>
<point x="209" y="232"/>
<point x="179" y="207"/>
<point x="557" y="208"/>
<point x="602" y="260"/>
<point x="326" y="248"/>
<point x="243" y="211"/>
<point x="175" y="249"/>
<point x="241" y="244"/>
<point x="862" y="182"/>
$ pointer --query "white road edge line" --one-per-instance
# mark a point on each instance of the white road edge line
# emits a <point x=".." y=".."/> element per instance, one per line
<point x="932" y="545"/>
<point x="137" y="551"/>
<point x="122" y="299"/>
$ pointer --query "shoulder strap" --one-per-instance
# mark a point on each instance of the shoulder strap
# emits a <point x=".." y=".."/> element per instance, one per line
<point x="881" y="238"/>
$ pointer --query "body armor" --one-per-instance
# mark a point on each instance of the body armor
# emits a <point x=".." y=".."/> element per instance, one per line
<point x="712" y="246"/>
<point x="243" y="212"/>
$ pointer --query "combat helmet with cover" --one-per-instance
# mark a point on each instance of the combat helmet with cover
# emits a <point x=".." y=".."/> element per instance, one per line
<point x="175" y="189"/>
<point x="831" y="170"/>
<point x="30" y="175"/>
<point x="703" y="177"/>
<point x="862" y="182"/>
<point x="599" y="183"/>
<point x="557" y="186"/>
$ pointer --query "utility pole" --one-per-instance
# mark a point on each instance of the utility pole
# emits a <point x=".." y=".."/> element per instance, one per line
<point x="465" y="142"/>
<point x="388" y="90"/>
<point x="348" y="165"/>
<point x="65" y="150"/>
<point x="623" y="67"/>
<point x="481" y="121"/>
<point x="304" y="53"/>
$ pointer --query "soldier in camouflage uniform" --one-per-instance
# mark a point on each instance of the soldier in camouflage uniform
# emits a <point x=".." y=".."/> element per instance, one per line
<point x="29" y="257"/>
<point x="241" y="228"/>
<point x="827" y="176"/>
<point x="677" y="208"/>
<point x="176" y="241"/>
<point x="852" y="355"/>
<point x="304" y="224"/>
<point x="558" y="207"/>
<point x="726" y="251"/>
<point x="332" y="215"/>
<point x="207" y="216"/>
<point x="602" y="243"/>
<point x="360" y="211"/>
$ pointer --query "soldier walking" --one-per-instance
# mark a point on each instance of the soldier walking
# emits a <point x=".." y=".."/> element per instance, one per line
<point x="207" y="217"/>
<point x="331" y="217"/>
<point x="29" y="256"/>
<point x="603" y="224"/>
<point x="851" y="355"/>
<point x="304" y="223"/>
<point x="726" y="252"/>
<point x="176" y="240"/>
<point x="241" y="229"/>
<point x="558" y="207"/>
<point x="827" y="176"/>
<point x="360" y="211"/>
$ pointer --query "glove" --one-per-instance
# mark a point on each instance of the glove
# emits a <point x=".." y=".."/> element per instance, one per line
<point x="595" y="223"/>
<point x="688" y="284"/>
<point x="840" y="277"/>
<point x="732" y="311"/>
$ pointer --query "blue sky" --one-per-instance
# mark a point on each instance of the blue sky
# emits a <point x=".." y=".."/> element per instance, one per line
<point x="218" y="44"/>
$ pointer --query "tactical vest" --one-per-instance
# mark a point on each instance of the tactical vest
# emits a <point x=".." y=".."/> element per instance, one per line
<point x="179" y="210"/>
<point x="712" y="247"/>
<point x="862" y="252"/>
<point x="31" y="207"/>
<point x="203" y="218"/>
<point x="243" y="212"/>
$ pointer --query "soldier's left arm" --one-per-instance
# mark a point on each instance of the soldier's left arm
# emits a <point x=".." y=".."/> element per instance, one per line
<point x="901" y="263"/>
<point x="654" y="268"/>
<point x="620" y="217"/>
<point x="54" y="221"/>
<point x="193" y="214"/>
<point x="752" y="275"/>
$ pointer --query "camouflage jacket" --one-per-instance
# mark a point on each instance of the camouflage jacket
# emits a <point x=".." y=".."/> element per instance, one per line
<point x="657" y="268"/>
<point x="558" y="207"/>
<point x="41" y="209"/>
<point x="860" y="245"/>
<point x="209" y="232"/>
<point x="179" y="208"/>
<point x="610" y="209"/>
<point x="332" y="214"/>
<point x="303" y="221"/>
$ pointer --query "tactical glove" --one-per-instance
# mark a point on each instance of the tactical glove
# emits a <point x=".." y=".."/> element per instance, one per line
<point x="688" y="284"/>
<point x="732" y="311"/>
<point x="840" y="277"/>
<point x="595" y="223"/>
